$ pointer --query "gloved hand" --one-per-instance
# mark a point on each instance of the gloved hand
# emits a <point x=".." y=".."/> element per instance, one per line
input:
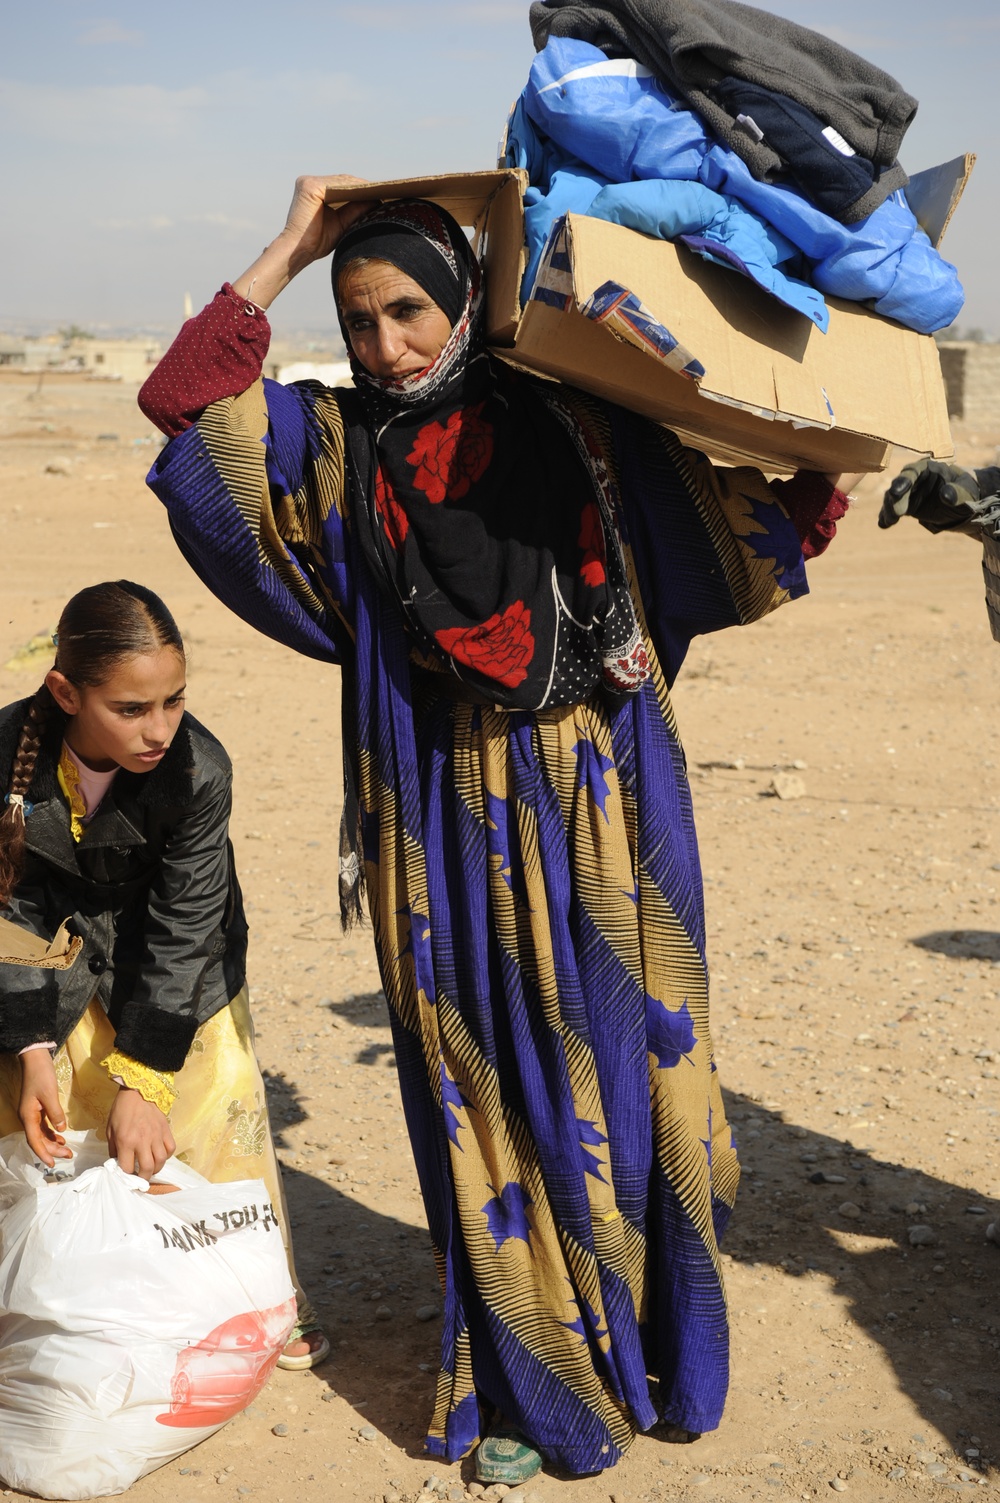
<point x="940" y="496"/>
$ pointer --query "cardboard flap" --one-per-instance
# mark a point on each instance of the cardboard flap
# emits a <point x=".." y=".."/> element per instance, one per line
<point x="20" y="947"/>
<point x="934" y="195"/>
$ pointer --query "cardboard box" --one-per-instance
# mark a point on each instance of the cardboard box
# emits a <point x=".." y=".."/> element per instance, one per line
<point x="648" y="324"/>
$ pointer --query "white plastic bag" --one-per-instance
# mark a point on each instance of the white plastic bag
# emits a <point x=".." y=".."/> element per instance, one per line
<point x="132" y="1325"/>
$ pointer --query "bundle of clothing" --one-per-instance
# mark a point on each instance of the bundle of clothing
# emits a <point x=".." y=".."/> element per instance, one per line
<point x="759" y="144"/>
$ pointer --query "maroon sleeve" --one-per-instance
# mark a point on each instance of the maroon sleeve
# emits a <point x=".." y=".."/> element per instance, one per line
<point x="814" y="506"/>
<point x="217" y="354"/>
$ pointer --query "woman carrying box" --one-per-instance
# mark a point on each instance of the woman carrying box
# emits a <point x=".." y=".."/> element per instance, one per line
<point x="509" y="573"/>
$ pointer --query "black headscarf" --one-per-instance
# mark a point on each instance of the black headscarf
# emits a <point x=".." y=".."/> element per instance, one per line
<point x="484" y="509"/>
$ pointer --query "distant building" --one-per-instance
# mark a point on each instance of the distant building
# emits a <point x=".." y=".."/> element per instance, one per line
<point x="332" y="373"/>
<point x="115" y="359"/>
<point x="972" y="380"/>
<point x="12" y="352"/>
<point x="102" y="359"/>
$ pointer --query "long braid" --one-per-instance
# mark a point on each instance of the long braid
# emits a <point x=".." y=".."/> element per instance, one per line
<point x="12" y="818"/>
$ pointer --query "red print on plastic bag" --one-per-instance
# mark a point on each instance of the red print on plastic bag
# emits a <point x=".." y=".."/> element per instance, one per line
<point x="224" y="1372"/>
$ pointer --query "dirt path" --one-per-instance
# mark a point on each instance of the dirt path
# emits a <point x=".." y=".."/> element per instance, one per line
<point x="855" y="942"/>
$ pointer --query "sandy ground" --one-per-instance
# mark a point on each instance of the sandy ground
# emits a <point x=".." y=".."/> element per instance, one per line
<point x="855" y="942"/>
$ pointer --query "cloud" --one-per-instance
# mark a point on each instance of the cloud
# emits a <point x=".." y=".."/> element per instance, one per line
<point x="123" y="118"/>
<point x="160" y="224"/>
<point x="98" y="115"/>
<point x="107" y="34"/>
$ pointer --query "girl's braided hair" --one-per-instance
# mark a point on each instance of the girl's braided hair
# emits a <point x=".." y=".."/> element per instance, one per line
<point x="100" y="627"/>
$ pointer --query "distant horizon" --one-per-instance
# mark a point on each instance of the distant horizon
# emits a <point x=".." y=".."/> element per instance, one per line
<point x="12" y="327"/>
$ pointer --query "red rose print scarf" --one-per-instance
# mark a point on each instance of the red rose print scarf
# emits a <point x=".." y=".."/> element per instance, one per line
<point x="482" y="506"/>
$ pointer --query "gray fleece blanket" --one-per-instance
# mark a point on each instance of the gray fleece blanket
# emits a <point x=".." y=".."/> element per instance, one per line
<point x="693" y="44"/>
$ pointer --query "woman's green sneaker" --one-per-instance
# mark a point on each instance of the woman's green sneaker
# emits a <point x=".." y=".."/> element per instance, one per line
<point x="505" y="1456"/>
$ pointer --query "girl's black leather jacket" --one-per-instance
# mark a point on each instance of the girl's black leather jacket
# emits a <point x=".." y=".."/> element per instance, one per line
<point x="151" y="889"/>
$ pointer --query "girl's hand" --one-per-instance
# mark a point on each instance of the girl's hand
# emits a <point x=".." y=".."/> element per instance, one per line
<point x="40" y="1109"/>
<point x="311" y="231"/>
<point x="139" y="1135"/>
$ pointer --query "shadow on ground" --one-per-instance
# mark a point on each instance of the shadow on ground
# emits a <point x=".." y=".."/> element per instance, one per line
<point x="963" y="944"/>
<point x="356" y="1264"/>
<point x="932" y="1308"/>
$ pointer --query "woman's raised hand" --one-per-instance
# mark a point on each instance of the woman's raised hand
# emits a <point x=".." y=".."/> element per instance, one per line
<point x="312" y="227"/>
<point x="311" y="232"/>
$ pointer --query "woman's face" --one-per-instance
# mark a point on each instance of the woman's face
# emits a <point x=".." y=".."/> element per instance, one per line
<point x="395" y="329"/>
<point x="130" y="720"/>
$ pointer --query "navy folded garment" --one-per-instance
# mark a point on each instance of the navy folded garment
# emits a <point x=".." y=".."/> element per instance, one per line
<point x="840" y="181"/>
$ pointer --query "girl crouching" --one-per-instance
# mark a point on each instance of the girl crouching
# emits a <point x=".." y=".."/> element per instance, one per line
<point x="116" y="817"/>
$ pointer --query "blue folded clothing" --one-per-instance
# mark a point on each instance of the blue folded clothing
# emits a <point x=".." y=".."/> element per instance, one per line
<point x="586" y="125"/>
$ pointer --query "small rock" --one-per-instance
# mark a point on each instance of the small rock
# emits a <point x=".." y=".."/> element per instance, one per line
<point x="993" y="1232"/>
<point x="897" y="1474"/>
<point x="368" y="1432"/>
<point x="972" y="1454"/>
<point x="975" y="1210"/>
<point x="914" y="1208"/>
<point x="58" y="466"/>
<point x="786" y="785"/>
<point x="383" y="1312"/>
<point x="700" y="1479"/>
<point x="839" y="1485"/>
<point x="943" y="1394"/>
<point x="390" y="1498"/>
<point x="427" y="1312"/>
<point x="279" y="1429"/>
<point x="245" y="1491"/>
<point x="921" y="1236"/>
<point x="849" y="1210"/>
<point x="475" y="1489"/>
<point x="937" y="1469"/>
<point x="329" y="1396"/>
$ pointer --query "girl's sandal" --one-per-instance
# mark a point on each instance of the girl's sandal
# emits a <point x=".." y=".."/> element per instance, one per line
<point x="311" y="1332"/>
<point x="505" y="1456"/>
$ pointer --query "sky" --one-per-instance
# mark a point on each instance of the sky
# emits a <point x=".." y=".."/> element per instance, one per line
<point x="150" y="150"/>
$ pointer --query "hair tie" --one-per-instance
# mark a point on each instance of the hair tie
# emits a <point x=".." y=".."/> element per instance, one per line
<point x="20" y="805"/>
